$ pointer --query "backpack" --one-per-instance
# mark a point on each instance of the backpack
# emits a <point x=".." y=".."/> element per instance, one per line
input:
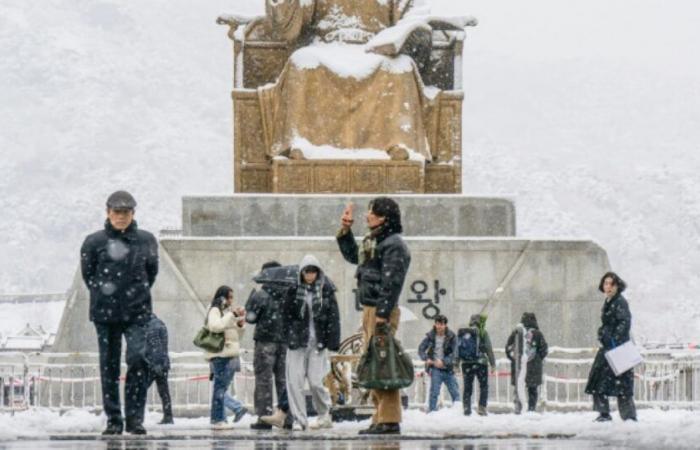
<point x="468" y="345"/>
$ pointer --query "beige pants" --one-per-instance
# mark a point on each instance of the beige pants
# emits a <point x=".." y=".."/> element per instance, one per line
<point x="387" y="403"/>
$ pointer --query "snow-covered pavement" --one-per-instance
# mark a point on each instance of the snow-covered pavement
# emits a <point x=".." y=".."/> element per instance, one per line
<point x="655" y="429"/>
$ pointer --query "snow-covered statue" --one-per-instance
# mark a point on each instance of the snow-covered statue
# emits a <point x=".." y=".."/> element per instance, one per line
<point x="352" y="84"/>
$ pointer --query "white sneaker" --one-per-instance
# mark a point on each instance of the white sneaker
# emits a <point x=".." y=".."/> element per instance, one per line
<point x="218" y="426"/>
<point x="276" y="420"/>
<point x="323" y="421"/>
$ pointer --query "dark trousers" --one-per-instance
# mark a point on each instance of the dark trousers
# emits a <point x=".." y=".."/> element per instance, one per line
<point x="625" y="405"/>
<point x="161" y="380"/>
<point x="109" y="342"/>
<point x="269" y="362"/>
<point x="532" y="395"/>
<point x="481" y="372"/>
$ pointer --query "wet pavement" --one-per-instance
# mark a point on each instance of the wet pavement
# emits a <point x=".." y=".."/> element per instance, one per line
<point x="185" y="442"/>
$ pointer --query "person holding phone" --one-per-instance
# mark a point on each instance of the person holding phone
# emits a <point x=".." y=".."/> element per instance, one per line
<point x="223" y="317"/>
<point x="382" y="264"/>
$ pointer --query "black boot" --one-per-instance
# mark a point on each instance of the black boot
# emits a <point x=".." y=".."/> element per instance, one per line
<point x="385" y="428"/>
<point x="603" y="417"/>
<point x="167" y="420"/>
<point x="368" y="430"/>
<point x="135" y="427"/>
<point x="260" y="426"/>
<point x="113" y="428"/>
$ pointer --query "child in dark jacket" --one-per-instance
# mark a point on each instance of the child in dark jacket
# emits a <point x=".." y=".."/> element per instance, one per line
<point x="475" y="353"/>
<point x="439" y="349"/>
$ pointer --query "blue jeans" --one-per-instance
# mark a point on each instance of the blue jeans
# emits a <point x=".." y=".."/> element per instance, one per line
<point x="437" y="377"/>
<point x="223" y="369"/>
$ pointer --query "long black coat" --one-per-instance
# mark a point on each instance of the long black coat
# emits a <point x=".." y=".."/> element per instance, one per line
<point x="380" y="278"/>
<point x="615" y="331"/>
<point x="119" y="269"/>
<point x="265" y="309"/>
<point x="533" y="372"/>
<point x="326" y="319"/>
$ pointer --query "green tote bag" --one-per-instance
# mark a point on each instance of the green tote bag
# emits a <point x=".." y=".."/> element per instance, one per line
<point x="208" y="340"/>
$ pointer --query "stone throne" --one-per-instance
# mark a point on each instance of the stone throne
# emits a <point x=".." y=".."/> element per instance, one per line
<point x="260" y="56"/>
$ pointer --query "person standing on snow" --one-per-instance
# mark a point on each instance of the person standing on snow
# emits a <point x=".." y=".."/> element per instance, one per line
<point x="439" y="350"/>
<point x="526" y="349"/>
<point x="382" y="265"/>
<point x="223" y="317"/>
<point x="313" y="328"/>
<point x="265" y="310"/>
<point x="158" y="364"/>
<point x="614" y="331"/>
<point x="476" y="353"/>
<point x="119" y="265"/>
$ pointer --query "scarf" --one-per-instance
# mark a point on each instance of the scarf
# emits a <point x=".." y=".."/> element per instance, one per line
<point x="315" y="295"/>
<point x="369" y="244"/>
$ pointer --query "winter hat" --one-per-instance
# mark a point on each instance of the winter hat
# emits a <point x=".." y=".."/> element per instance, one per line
<point x="389" y="209"/>
<point x="121" y="200"/>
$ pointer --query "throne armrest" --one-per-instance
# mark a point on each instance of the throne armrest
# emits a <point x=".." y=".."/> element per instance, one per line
<point x="452" y="23"/>
<point x="234" y="21"/>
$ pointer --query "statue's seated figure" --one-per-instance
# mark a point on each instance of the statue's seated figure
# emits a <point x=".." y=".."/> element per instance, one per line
<point x="352" y="85"/>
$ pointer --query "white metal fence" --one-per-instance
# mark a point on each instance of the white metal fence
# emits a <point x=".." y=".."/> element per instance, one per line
<point x="666" y="379"/>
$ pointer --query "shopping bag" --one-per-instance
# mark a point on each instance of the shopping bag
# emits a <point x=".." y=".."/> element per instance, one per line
<point x="623" y="358"/>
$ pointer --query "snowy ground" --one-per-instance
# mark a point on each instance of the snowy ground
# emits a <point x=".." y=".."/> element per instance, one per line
<point x="655" y="429"/>
<point x="586" y="110"/>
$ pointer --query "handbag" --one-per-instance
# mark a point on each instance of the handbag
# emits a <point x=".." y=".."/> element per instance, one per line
<point x="623" y="358"/>
<point x="385" y="365"/>
<point x="208" y="340"/>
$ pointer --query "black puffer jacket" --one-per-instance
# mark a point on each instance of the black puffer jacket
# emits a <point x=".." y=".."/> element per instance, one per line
<point x="119" y="269"/>
<point x="615" y="331"/>
<point x="380" y="278"/>
<point x="265" y="310"/>
<point x="326" y="316"/>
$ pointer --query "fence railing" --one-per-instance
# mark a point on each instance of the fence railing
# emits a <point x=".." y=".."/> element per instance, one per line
<point x="63" y="381"/>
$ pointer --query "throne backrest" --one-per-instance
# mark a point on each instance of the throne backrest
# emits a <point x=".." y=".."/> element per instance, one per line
<point x="259" y="58"/>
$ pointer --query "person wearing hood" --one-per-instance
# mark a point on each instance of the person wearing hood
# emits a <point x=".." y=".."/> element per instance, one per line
<point x="614" y="331"/>
<point x="264" y="309"/>
<point x="312" y="325"/>
<point x="119" y="265"/>
<point x="439" y="350"/>
<point x="382" y="264"/>
<point x="526" y="344"/>
<point x="476" y="353"/>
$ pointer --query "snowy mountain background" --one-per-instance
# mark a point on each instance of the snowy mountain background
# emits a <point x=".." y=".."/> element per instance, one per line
<point x="586" y="112"/>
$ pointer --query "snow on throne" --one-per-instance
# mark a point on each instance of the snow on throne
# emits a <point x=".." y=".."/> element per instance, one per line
<point x="347" y="96"/>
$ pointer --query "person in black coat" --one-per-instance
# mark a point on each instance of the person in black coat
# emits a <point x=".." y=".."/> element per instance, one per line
<point x="158" y="363"/>
<point x="119" y="265"/>
<point x="265" y="310"/>
<point x="535" y="349"/>
<point x="382" y="265"/>
<point x="614" y="331"/>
